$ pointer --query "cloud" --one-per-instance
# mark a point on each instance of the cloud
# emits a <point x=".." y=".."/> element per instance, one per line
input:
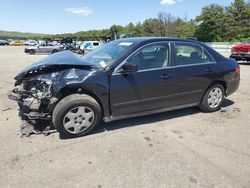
<point x="82" y="10"/>
<point x="168" y="2"/>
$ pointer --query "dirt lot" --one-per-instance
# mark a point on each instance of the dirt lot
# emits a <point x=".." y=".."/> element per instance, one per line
<point x="184" y="148"/>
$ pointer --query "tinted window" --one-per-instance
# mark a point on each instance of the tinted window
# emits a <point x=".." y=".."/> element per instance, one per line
<point x="151" y="57"/>
<point x="190" y="54"/>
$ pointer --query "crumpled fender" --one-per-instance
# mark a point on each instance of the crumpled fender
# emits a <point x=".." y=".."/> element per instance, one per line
<point x="93" y="83"/>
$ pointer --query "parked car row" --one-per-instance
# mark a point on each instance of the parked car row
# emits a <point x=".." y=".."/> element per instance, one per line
<point x="53" y="47"/>
<point x="4" y="42"/>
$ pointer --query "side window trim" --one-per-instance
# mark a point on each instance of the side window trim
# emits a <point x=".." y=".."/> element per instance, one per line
<point x="205" y="51"/>
<point x="167" y="43"/>
<point x="173" y="60"/>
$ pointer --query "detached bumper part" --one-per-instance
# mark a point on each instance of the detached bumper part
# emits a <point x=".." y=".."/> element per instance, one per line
<point x="30" y="110"/>
<point x="26" y="129"/>
<point x="14" y="96"/>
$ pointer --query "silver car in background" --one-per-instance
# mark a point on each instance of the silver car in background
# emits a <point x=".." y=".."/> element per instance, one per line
<point x="44" y="49"/>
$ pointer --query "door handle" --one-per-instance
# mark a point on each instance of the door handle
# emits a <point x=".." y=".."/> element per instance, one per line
<point x="165" y="76"/>
<point x="209" y="70"/>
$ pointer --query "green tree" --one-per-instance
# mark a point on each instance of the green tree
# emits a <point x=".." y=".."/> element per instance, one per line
<point x="185" y="29"/>
<point x="209" y="28"/>
<point x="218" y="23"/>
<point x="239" y="13"/>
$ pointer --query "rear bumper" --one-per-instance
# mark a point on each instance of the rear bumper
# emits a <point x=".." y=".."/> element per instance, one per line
<point x="241" y="56"/>
<point x="232" y="86"/>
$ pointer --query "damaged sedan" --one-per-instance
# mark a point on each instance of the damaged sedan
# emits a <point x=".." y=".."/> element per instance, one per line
<point x="122" y="79"/>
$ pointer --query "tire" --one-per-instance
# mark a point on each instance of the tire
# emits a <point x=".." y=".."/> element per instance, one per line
<point x="213" y="98"/>
<point x="54" y="51"/>
<point x="32" y="52"/>
<point x="76" y="115"/>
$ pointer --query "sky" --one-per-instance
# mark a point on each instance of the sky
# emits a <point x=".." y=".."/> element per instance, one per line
<point x="65" y="16"/>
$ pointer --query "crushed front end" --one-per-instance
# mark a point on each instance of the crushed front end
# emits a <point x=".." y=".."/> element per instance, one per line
<point x="35" y="99"/>
<point x="39" y="87"/>
<point x="37" y="95"/>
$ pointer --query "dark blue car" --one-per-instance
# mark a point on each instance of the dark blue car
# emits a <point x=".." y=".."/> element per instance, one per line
<point x="122" y="79"/>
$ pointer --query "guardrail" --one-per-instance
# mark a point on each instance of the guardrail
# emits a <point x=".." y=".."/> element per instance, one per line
<point x="222" y="47"/>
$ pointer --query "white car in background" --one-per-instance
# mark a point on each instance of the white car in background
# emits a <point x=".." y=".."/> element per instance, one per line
<point x="88" y="46"/>
<point x="31" y="43"/>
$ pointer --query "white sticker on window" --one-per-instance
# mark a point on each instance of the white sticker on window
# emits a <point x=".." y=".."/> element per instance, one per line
<point x="125" y="43"/>
<point x="103" y="64"/>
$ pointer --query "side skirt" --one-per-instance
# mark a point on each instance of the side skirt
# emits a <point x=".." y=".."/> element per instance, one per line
<point x="114" y="118"/>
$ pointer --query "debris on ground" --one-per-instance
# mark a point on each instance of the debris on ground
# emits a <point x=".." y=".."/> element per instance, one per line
<point x="26" y="129"/>
<point x="236" y="110"/>
<point x="46" y="131"/>
<point x="224" y="110"/>
<point x="4" y="110"/>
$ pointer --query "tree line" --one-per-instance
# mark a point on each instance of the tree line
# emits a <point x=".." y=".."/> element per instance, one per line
<point x="215" y="23"/>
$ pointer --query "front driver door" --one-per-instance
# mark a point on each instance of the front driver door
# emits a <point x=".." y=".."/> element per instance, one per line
<point x="144" y="90"/>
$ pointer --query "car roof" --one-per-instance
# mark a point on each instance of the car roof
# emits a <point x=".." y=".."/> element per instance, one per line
<point x="90" y="41"/>
<point x="155" y="39"/>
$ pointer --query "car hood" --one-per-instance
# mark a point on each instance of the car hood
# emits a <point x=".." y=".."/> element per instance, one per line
<point x="56" y="62"/>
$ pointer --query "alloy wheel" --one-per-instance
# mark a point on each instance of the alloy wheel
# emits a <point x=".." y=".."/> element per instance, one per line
<point x="215" y="97"/>
<point x="78" y="119"/>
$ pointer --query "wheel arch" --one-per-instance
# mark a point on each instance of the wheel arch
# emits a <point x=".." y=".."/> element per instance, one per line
<point x="221" y="82"/>
<point x="66" y="91"/>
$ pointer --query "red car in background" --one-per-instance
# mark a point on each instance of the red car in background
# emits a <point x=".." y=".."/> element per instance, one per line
<point x="241" y="52"/>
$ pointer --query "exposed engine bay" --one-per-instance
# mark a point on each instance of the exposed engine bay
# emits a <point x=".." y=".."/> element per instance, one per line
<point x="38" y="94"/>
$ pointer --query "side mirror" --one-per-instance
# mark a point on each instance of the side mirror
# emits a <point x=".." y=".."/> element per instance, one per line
<point x="128" y="68"/>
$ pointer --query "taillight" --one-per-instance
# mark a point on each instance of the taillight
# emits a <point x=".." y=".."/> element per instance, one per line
<point x="237" y="70"/>
<point x="233" y="50"/>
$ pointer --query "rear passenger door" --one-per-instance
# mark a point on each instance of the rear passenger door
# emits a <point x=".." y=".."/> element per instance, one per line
<point x="42" y="48"/>
<point x="194" y="70"/>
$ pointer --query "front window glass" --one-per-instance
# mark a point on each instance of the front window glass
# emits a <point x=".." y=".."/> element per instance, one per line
<point x="106" y="54"/>
<point x="151" y="57"/>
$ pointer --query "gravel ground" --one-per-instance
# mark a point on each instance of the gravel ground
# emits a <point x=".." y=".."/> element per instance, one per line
<point x="184" y="148"/>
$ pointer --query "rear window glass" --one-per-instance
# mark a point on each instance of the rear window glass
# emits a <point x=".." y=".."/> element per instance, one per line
<point x="190" y="54"/>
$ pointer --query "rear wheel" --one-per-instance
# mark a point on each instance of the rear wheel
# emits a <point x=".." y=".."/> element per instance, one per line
<point x="213" y="98"/>
<point x="76" y="115"/>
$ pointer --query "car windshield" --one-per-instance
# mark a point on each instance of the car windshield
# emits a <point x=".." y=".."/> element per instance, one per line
<point x="105" y="55"/>
<point x="88" y="45"/>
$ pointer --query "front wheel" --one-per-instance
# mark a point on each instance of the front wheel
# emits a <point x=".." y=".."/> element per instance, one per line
<point x="76" y="115"/>
<point x="54" y="51"/>
<point x="213" y="98"/>
<point x="32" y="52"/>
